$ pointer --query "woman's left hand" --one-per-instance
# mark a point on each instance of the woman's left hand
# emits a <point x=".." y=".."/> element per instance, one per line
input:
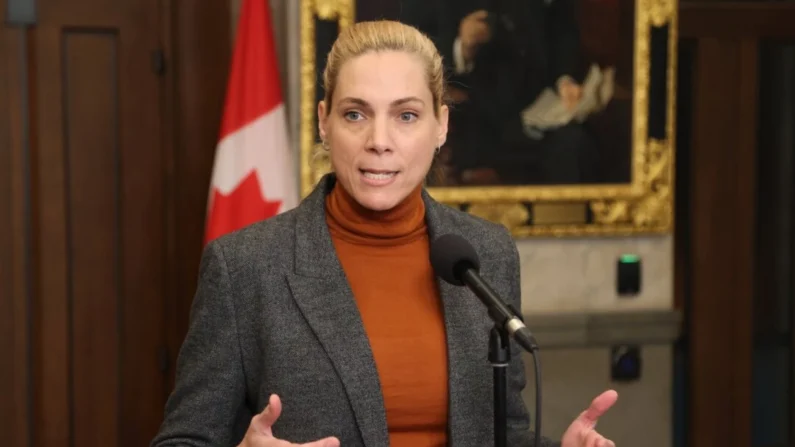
<point x="582" y="432"/>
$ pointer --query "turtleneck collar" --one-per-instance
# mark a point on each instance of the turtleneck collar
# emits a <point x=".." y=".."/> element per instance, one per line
<point x="350" y="221"/>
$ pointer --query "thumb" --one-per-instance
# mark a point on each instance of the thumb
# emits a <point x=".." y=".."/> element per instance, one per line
<point x="325" y="442"/>
<point x="263" y="422"/>
<point x="598" y="407"/>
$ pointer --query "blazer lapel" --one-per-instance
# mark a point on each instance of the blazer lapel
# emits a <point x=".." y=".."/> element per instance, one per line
<point x="322" y="292"/>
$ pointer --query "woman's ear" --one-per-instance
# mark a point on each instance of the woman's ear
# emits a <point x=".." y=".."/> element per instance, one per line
<point x="322" y="116"/>
<point x="444" y="116"/>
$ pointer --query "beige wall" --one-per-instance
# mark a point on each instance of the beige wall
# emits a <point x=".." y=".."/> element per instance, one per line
<point x="575" y="275"/>
<point x="572" y="377"/>
<point x="579" y="274"/>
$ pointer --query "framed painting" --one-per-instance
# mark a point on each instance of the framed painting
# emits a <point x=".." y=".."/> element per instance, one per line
<point x="562" y="111"/>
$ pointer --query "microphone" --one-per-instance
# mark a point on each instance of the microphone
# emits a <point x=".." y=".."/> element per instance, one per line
<point x="456" y="261"/>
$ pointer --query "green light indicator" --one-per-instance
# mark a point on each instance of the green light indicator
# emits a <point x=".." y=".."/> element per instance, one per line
<point x="627" y="259"/>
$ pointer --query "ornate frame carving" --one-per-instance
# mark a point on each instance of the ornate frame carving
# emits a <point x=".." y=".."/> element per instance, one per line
<point x="644" y="206"/>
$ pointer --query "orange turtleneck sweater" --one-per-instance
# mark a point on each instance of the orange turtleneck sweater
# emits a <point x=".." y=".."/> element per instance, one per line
<point x="386" y="260"/>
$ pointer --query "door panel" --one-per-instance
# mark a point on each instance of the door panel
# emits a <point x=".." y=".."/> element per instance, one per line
<point x="91" y="152"/>
<point x="101" y="229"/>
<point x="105" y="162"/>
<point x="15" y="420"/>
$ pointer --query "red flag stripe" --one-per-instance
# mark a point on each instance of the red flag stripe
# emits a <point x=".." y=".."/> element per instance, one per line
<point x="241" y="207"/>
<point x="254" y="65"/>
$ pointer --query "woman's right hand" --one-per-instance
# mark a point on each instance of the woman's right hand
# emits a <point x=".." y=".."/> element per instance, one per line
<point x="260" y="433"/>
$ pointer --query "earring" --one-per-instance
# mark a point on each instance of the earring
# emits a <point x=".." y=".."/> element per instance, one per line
<point x="438" y="149"/>
<point x="325" y="145"/>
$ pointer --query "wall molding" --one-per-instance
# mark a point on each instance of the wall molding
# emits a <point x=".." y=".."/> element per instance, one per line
<point x="592" y="329"/>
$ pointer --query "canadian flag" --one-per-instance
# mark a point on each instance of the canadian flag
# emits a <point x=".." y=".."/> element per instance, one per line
<point x="253" y="175"/>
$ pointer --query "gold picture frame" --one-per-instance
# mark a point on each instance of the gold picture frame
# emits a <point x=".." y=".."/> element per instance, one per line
<point x="642" y="206"/>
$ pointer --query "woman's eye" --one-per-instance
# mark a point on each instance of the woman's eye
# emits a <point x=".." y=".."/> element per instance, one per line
<point x="408" y="116"/>
<point x="353" y="116"/>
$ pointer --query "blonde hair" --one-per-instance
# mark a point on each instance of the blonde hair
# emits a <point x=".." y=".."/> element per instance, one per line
<point x="385" y="35"/>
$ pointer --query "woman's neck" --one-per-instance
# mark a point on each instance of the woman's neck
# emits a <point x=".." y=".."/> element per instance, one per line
<point x="349" y="220"/>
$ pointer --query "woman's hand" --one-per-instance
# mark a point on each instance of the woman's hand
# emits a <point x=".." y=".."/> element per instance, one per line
<point x="260" y="433"/>
<point x="582" y="432"/>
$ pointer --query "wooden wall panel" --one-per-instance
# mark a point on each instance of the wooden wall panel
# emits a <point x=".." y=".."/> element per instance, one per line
<point x="15" y="421"/>
<point x="722" y="242"/>
<point x="92" y="185"/>
<point x="201" y="72"/>
<point x="54" y="403"/>
<point x="6" y="257"/>
<point x="734" y="20"/>
<point x="100" y="177"/>
<point x="721" y="229"/>
<point x="103" y="188"/>
<point x="143" y="199"/>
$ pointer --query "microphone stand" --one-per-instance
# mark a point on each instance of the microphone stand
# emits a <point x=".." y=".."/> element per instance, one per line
<point x="500" y="357"/>
<point x="507" y="323"/>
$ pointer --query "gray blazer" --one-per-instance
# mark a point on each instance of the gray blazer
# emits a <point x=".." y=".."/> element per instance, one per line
<point x="274" y="313"/>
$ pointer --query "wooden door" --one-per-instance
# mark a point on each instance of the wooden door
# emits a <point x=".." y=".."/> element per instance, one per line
<point x="14" y="242"/>
<point x="109" y="116"/>
<point x="101" y="240"/>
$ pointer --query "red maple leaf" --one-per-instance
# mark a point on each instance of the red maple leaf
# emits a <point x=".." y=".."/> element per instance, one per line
<point x="243" y="206"/>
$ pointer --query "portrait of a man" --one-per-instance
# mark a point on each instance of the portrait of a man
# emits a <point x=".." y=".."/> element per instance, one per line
<point x="539" y="89"/>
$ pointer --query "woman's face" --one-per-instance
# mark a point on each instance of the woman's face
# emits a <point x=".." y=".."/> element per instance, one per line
<point x="382" y="131"/>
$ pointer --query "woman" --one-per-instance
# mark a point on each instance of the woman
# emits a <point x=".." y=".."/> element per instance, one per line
<point x="325" y="325"/>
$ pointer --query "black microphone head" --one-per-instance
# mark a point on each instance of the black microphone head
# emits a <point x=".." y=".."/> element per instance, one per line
<point x="450" y="255"/>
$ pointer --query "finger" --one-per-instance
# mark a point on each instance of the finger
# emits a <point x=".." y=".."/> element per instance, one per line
<point x="480" y="29"/>
<point x="481" y="36"/>
<point x="598" y="407"/>
<point x="263" y="422"/>
<point x="593" y="439"/>
<point x="604" y="442"/>
<point x="481" y="14"/>
<point x="325" y="442"/>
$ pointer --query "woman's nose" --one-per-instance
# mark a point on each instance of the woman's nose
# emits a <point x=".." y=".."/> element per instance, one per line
<point x="379" y="141"/>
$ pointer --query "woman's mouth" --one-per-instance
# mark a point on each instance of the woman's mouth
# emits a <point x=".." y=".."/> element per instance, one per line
<point x="378" y="177"/>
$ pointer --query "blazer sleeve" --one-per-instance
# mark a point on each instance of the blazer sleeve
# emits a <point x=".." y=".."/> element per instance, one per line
<point x="207" y="406"/>
<point x="519" y="433"/>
